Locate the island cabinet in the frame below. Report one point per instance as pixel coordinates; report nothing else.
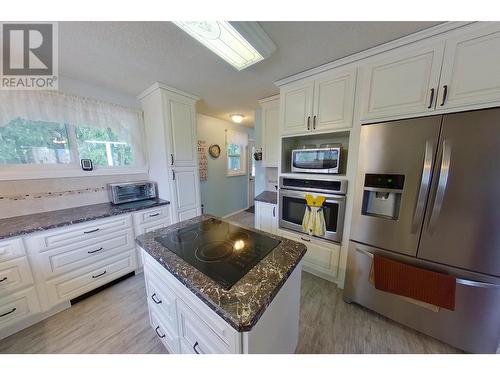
(458, 70)
(185, 323)
(320, 105)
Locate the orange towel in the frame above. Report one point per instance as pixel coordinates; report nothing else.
(417, 283)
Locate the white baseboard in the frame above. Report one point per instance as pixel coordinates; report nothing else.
(235, 212)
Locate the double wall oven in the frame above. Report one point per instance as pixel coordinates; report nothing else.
(293, 203)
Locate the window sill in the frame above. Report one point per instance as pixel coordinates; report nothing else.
(20, 173)
(236, 174)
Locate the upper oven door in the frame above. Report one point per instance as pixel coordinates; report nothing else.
(293, 207)
(316, 160)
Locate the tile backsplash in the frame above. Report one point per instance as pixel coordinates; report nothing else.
(23, 197)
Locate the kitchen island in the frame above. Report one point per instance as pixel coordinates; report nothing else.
(207, 297)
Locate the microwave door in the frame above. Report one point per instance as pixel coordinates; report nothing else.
(394, 174)
(461, 227)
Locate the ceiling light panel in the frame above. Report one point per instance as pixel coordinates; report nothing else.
(227, 42)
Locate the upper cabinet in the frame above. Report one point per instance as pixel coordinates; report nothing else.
(404, 81)
(182, 131)
(471, 67)
(459, 70)
(270, 131)
(324, 104)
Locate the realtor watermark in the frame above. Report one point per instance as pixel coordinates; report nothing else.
(29, 56)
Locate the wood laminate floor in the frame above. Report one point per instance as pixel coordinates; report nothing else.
(116, 321)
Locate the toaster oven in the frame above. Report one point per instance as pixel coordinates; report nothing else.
(132, 191)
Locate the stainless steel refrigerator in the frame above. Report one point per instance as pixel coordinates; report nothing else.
(428, 194)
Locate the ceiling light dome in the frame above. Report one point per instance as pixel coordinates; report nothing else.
(237, 118)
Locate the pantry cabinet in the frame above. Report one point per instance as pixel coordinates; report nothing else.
(266, 217)
(320, 105)
(170, 127)
(270, 131)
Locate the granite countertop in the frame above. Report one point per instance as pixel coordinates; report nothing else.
(267, 197)
(243, 304)
(19, 225)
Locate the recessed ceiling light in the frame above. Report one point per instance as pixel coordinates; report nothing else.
(241, 44)
(237, 118)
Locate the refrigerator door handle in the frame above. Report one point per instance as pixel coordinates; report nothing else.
(425, 180)
(442, 182)
(477, 284)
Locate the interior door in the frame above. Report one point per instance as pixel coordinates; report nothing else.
(404, 150)
(461, 226)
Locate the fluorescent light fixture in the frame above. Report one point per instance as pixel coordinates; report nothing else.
(241, 44)
(237, 118)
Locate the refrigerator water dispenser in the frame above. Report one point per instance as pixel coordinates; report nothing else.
(382, 195)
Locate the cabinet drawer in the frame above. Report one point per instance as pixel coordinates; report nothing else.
(11, 249)
(15, 274)
(61, 260)
(195, 336)
(146, 216)
(76, 234)
(170, 341)
(161, 300)
(77, 283)
(18, 306)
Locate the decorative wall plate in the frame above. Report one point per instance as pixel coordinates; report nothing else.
(214, 151)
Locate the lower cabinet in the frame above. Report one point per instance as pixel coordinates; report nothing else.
(322, 257)
(266, 217)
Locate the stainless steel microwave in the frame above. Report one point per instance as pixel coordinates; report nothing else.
(132, 191)
(317, 160)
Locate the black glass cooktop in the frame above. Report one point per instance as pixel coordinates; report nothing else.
(222, 251)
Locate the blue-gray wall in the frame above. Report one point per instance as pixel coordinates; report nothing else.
(221, 195)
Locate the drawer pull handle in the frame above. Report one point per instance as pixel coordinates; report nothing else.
(194, 347)
(160, 336)
(5, 278)
(153, 215)
(305, 239)
(96, 276)
(157, 301)
(91, 231)
(10, 312)
(95, 251)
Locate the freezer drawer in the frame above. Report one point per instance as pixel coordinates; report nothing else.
(474, 326)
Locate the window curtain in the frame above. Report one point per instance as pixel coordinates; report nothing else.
(237, 138)
(69, 109)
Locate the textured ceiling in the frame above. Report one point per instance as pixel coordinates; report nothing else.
(129, 56)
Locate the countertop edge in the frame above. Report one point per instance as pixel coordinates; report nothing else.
(73, 222)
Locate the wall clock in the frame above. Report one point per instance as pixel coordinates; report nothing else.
(214, 151)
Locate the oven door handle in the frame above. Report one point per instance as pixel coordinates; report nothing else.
(332, 198)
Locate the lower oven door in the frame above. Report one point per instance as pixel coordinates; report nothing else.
(293, 207)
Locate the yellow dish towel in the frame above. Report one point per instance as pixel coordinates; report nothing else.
(313, 222)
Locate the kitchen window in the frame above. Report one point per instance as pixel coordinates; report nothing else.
(236, 144)
(46, 134)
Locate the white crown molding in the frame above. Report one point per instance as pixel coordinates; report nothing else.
(269, 99)
(158, 85)
(427, 33)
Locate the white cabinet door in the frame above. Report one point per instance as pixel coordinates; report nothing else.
(334, 101)
(266, 217)
(182, 118)
(186, 189)
(471, 68)
(270, 135)
(403, 82)
(296, 108)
